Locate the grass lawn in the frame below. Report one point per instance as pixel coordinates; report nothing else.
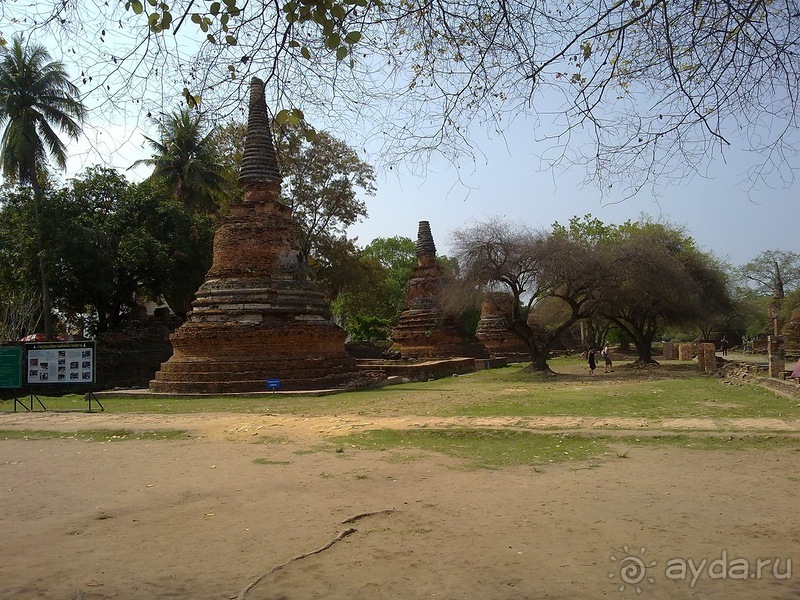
(669, 391)
(497, 448)
(673, 390)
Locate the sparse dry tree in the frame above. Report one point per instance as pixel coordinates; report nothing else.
(532, 267)
(20, 313)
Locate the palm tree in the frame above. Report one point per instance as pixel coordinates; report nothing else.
(36, 98)
(188, 160)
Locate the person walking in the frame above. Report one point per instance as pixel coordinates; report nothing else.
(609, 365)
(592, 362)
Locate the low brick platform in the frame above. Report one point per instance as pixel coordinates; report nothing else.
(421, 371)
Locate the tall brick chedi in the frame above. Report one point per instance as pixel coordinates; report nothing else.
(258, 315)
(424, 330)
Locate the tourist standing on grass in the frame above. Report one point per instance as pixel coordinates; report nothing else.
(592, 362)
(609, 366)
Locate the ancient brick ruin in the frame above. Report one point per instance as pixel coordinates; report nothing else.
(494, 330)
(424, 330)
(258, 315)
(791, 333)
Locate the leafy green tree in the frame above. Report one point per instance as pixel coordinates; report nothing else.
(36, 99)
(773, 273)
(84, 249)
(659, 277)
(397, 256)
(373, 291)
(20, 297)
(755, 311)
(120, 243)
(361, 304)
(320, 182)
(167, 245)
(186, 157)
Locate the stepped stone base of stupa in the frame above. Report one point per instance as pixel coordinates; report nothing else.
(423, 334)
(237, 357)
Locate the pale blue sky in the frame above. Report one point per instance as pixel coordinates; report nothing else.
(717, 211)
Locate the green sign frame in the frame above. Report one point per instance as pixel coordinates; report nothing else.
(11, 366)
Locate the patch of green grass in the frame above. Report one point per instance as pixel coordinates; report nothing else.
(483, 448)
(399, 457)
(698, 396)
(93, 435)
(266, 461)
(498, 448)
(270, 439)
(416, 531)
(716, 442)
(315, 449)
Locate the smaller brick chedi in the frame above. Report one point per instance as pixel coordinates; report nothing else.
(423, 329)
(494, 330)
(258, 315)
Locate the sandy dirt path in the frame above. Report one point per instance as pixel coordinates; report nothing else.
(206, 517)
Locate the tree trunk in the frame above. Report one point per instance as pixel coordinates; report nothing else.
(538, 358)
(644, 344)
(47, 309)
(539, 363)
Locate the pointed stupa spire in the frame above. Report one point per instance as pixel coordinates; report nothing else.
(259, 164)
(425, 243)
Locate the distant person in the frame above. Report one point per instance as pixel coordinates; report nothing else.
(592, 362)
(606, 354)
(744, 343)
(724, 345)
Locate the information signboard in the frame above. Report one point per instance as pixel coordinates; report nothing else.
(60, 362)
(11, 366)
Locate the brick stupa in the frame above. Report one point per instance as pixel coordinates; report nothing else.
(494, 330)
(423, 330)
(258, 315)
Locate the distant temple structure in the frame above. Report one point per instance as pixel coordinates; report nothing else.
(423, 329)
(258, 315)
(494, 330)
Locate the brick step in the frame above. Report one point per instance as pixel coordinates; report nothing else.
(262, 374)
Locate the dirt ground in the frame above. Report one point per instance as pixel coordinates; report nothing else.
(207, 518)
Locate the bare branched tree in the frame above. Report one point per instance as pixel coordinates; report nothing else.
(20, 314)
(533, 267)
(660, 88)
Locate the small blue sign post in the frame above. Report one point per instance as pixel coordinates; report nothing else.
(273, 384)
